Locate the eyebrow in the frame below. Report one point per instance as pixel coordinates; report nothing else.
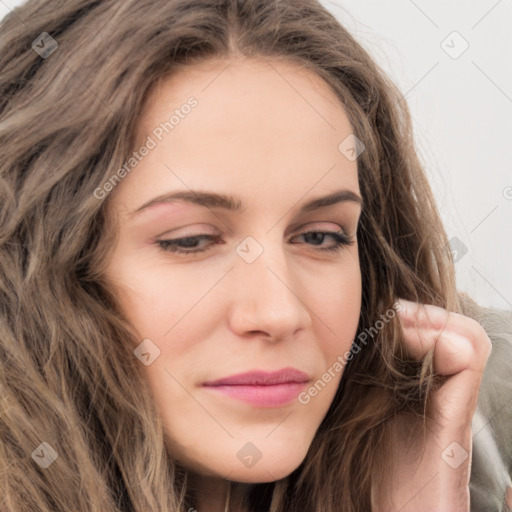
(234, 204)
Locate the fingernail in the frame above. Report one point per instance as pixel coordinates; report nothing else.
(402, 305)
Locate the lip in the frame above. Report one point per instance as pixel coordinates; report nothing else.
(262, 388)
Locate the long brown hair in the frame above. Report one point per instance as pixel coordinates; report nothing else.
(68, 375)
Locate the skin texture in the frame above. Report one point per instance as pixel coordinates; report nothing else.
(268, 132)
(213, 314)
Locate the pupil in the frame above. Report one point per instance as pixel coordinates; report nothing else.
(189, 242)
(317, 237)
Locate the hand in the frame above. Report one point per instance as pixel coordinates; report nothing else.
(431, 473)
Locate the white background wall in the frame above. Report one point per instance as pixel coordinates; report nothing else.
(461, 103)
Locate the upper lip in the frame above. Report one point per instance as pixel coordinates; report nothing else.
(262, 378)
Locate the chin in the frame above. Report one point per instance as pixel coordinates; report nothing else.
(263, 474)
(274, 464)
(270, 464)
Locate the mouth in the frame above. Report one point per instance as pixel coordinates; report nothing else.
(261, 388)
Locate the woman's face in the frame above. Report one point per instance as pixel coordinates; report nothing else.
(253, 292)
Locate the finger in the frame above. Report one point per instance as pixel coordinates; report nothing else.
(460, 342)
(417, 321)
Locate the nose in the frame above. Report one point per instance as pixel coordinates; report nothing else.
(267, 299)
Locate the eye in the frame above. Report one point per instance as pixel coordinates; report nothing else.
(186, 245)
(190, 244)
(317, 237)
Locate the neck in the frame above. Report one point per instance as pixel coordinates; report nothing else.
(218, 495)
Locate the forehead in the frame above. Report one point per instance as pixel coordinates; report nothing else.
(267, 90)
(258, 124)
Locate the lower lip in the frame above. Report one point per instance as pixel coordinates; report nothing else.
(276, 395)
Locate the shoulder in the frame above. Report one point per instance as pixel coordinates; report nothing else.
(491, 468)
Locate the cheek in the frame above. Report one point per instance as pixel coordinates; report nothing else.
(152, 300)
(339, 307)
(174, 311)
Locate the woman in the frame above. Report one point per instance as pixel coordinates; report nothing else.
(176, 332)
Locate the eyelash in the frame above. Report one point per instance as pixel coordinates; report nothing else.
(341, 240)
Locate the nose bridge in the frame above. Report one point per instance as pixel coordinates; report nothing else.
(269, 273)
(267, 297)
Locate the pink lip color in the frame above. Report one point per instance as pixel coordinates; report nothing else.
(263, 389)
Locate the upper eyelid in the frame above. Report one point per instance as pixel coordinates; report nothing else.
(342, 224)
(296, 231)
